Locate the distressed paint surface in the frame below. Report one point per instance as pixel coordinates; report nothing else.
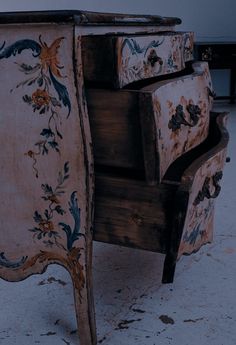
(45, 175)
(188, 46)
(38, 176)
(199, 221)
(142, 57)
(186, 91)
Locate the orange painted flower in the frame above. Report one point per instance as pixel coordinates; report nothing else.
(53, 198)
(46, 225)
(40, 98)
(48, 56)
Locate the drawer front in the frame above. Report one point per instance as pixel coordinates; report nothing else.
(174, 119)
(145, 57)
(199, 213)
(198, 226)
(126, 59)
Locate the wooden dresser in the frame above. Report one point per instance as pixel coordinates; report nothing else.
(107, 134)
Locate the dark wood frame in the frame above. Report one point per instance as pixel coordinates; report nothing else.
(87, 18)
(220, 55)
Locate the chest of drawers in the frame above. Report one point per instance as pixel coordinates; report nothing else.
(107, 135)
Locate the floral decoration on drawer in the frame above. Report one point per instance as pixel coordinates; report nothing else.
(145, 57)
(49, 95)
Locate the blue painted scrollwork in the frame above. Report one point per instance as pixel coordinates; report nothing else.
(4, 262)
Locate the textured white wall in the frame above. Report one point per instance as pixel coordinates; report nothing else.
(209, 19)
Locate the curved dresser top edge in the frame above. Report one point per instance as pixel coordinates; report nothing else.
(86, 18)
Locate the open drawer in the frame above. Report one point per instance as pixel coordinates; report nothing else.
(193, 219)
(148, 129)
(122, 59)
(174, 217)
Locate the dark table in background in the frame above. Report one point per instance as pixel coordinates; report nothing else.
(219, 55)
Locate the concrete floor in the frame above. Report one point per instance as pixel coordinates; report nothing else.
(132, 305)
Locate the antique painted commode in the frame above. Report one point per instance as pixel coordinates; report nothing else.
(106, 133)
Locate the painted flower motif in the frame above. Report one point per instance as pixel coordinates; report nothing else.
(41, 98)
(48, 56)
(54, 199)
(46, 226)
(49, 95)
(45, 230)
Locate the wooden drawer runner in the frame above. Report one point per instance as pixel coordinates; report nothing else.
(174, 217)
(148, 129)
(120, 60)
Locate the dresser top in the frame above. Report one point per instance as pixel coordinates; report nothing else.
(86, 18)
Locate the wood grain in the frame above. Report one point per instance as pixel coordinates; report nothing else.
(115, 128)
(130, 213)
